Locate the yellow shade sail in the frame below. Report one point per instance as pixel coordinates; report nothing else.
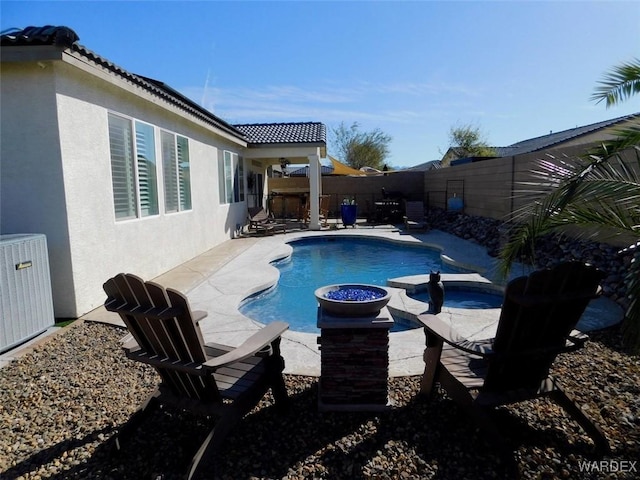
(342, 169)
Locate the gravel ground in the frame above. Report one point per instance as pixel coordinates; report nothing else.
(61, 403)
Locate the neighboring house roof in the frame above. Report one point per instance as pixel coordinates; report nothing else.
(457, 156)
(426, 166)
(547, 141)
(64, 37)
(304, 171)
(283, 133)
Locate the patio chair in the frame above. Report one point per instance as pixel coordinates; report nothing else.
(414, 216)
(536, 323)
(262, 222)
(208, 379)
(323, 210)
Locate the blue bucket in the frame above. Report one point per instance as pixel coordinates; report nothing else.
(454, 204)
(349, 214)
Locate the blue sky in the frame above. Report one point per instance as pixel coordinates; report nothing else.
(516, 70)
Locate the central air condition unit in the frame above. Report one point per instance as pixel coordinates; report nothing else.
(26, 303)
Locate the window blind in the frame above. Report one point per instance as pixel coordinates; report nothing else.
(170, 171)
(184, 179)
(147, 171)
(122, 167)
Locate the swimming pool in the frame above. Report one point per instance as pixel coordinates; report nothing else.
(320, 261)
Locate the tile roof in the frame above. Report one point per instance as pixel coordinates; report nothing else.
(47, 35)
(256, 134)
(280, 133)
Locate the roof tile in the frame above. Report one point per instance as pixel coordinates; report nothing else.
(272, 133)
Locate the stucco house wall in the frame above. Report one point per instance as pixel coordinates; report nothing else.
(56, 179)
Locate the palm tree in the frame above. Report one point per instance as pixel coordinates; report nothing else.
(599, 193)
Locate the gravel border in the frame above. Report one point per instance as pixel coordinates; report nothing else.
(61, 403)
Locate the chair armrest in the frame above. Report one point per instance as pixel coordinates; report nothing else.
(129, 343)
(578, 336)
(576, 339)
(198, 315)
(250, 346)
(444, 330)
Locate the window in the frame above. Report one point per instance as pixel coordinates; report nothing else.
(147, 170)
(133, 168)
(231, 174)
(177, 173)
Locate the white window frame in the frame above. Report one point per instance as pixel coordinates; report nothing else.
(140, 183)
(176, 172)
(231, 178)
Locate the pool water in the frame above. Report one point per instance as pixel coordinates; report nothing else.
(320, 261)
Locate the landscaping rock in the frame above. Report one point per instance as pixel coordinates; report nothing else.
(550, 250)
(61, 405)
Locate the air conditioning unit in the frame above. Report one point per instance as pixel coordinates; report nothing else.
(26, 303)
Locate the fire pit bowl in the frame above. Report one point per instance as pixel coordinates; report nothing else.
(352, 300)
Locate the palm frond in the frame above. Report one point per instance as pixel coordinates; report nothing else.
(619, 84)
(602, 194)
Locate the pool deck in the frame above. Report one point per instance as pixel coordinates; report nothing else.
(218, 280)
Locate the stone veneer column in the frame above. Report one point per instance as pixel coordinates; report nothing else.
(354, 368)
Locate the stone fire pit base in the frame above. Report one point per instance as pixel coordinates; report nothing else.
(354, 366)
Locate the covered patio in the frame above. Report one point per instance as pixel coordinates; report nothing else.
(275, 146)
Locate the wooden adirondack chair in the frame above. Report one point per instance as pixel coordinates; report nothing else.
(323, 210)
(537, 319)
(210, 379)
(414, 216)
(261, 221)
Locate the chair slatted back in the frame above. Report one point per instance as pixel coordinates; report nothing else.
(324, 205)
(414, 211)
(160, 320)
(258, 214)
(324, 202)
(538, 313)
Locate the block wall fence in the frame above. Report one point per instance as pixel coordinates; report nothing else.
(489, 188)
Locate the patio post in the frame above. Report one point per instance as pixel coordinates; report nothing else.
(315, 190)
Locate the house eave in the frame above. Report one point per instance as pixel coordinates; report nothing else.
(134, 84)
(295, 152)
(30, 53)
